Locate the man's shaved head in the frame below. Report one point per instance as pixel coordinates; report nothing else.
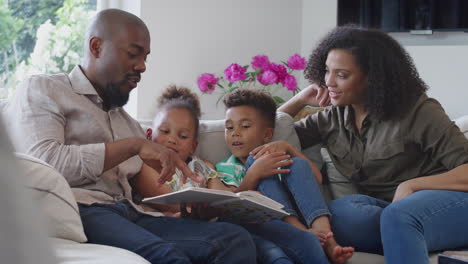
(110, 23)
(116, 46)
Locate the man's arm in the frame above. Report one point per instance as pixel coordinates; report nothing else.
(41, 120)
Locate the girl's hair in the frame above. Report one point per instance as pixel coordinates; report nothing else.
(393, 81)
(181, 97)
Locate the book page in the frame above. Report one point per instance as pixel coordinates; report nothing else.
(260, 198)
(192, 195)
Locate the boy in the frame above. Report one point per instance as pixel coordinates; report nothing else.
(289, 178)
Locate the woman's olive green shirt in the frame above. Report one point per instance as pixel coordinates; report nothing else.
(385, 153)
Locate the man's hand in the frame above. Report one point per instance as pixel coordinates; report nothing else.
(269, 164)
(166, 161)
(403, 190)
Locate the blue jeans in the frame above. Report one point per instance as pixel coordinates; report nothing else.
(300, 246)
(406, 230)
(299, 192)
(166, 239)
(269, 253)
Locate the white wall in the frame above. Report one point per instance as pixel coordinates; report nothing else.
(441, 60)
(192, 37)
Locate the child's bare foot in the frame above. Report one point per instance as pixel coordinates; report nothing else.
(336, 253)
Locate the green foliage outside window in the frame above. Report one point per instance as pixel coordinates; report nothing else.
(40, 36)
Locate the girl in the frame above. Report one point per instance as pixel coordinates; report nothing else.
(176, 127)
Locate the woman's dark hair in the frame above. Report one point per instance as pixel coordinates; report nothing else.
(256, 98)
(393, 81)
(181, 97)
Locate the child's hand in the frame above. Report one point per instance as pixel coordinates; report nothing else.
(199, 211)
(269, 164)
(276, 146)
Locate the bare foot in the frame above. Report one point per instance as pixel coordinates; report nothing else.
(336, 253)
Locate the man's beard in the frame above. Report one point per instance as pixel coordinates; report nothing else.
(113, 97)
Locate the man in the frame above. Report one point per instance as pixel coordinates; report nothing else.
(75, 123)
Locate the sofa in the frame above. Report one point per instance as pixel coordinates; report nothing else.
(54, 198)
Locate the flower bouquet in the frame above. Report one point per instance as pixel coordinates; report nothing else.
(264, 74)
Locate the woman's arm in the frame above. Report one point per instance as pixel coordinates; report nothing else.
(283, 146)
(312, 95)
(453, 180)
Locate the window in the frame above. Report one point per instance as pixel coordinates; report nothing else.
(40, 36)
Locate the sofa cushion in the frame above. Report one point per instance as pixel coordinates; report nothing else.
(55, 198)
(462, 123)
(211, 144)
(71, 252)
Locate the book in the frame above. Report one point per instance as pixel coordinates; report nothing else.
(241, 207)
(453, 257)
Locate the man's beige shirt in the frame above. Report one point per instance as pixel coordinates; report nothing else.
(385, 153)
(60, 119)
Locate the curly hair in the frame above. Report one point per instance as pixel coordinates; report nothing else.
(393, 81)
(181, 97)
(255, 98)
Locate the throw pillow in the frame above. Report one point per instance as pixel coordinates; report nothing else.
(55, 198)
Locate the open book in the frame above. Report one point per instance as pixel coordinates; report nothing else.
(242, 207)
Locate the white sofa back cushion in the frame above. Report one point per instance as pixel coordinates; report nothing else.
(54, 197)
(462, 123)
(212, 147)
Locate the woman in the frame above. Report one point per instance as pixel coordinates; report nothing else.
(383, 133)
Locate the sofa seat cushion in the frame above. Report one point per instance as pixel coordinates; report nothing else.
(55, 198)
(367, 258)
(71, 252)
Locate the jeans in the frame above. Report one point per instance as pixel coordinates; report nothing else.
(269, 253)
(299, 192)
(300, 246)
(166, 239)
(406, 230)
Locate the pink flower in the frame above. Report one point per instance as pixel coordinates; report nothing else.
(235, 72)
(280, 71)
(297, 62)
(290, 82)
(260, 61)
(268, 77)
(207, 82)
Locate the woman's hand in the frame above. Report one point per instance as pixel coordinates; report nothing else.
(315, 95)
(312, 95)
(275, 146)
(403, 190)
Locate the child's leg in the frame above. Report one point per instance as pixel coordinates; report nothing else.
(300, 194)
(269, 253)
(300, 246)
(305, 191)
